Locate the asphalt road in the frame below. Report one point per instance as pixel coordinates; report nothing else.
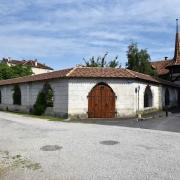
(170, 123)
(34, 149)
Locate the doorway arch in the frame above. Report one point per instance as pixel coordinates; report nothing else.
(17, 95)
(167, 97)
(148, 98)
(101, 102)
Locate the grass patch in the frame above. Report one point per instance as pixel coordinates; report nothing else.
(48, 118)
(8, 162)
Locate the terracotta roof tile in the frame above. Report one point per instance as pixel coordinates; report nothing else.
(87, 72)
(144, 76)
(100, 72)
(38, 77)
(160, 66)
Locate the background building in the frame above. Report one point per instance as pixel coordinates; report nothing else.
(170, 68)
(37, 67)
(83, 92)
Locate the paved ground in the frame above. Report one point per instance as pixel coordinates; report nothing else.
(170, 123)
(88, 151)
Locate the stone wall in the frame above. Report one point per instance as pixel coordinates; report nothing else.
(127, 98)
(80, 88)
(29, 93)
(71, 96)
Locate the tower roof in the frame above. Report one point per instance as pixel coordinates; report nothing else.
(177, 46)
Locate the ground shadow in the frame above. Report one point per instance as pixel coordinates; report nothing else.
(170, 123)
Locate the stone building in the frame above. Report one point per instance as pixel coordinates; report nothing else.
(91, 92)
(37, 67)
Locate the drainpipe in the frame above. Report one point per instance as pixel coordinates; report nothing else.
(137, 92)
(139, 115)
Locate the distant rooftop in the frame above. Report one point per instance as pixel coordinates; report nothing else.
(162, 66)
(31, 63)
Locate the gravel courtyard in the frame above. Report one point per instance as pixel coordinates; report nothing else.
(34, 149)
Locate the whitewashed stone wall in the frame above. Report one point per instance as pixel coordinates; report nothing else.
(71, 96)
(29, 93)
(127, 98)
(155, 89)
(60, 89)
(40, 71)
(80, 88)
(173, 96)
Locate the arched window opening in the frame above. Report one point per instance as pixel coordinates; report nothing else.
(0, 97)
(148, 98)
(49, 95)
(167, 98)
(17, 95)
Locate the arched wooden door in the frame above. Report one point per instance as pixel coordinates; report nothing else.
(101, 102)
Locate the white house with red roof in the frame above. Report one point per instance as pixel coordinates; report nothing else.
(90, 92)
(37, 67)
(85, 92)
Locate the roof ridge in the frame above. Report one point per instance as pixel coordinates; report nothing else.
(71, 71)
(143, 73)
(163, 60)
(131, 72)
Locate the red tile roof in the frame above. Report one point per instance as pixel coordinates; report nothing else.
(160, 66)
(100, 72)
(87, 72)
(38, 77)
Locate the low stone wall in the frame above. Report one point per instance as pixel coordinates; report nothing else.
(15, 108)
(50, 112)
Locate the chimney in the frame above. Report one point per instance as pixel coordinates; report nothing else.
(8, 59)
(165, 58)
(35, 62)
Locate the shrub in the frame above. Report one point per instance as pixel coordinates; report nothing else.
(40, 104)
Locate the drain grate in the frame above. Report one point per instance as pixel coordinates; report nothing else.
(109, 142)
(51, 148)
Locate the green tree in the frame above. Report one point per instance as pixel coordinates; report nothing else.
(8, 72)
(5, 71)
(20, 71)
(40, 104)
(139, 60)
(101, 61)
(114, 63)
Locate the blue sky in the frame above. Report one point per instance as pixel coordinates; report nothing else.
(61, 33)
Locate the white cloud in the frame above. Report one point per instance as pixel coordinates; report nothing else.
(46, 28)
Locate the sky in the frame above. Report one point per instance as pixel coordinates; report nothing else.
(60, 33)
